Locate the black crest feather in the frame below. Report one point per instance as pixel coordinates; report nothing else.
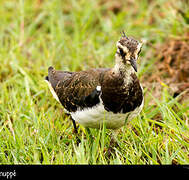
(124, 35)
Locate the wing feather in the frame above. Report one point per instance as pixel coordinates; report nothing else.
(77, 90)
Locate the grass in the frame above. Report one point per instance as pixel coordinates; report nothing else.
(77, 35)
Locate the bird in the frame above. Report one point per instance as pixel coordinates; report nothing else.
(113, 96)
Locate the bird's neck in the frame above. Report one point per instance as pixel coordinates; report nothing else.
(125, 69)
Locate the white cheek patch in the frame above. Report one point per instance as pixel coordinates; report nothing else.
(125, 49)
(52, 91)
(138, 49)
(128, 56)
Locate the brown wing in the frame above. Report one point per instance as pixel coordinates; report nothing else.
(78, 89)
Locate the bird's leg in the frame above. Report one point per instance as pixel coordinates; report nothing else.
(74, 125)
(113, 142)
(75, 131)
(89, 134)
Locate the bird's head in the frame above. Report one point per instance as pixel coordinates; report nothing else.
(128, 49)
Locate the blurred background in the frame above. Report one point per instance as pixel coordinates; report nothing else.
(76, 35)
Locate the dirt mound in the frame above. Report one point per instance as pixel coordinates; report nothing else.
(172, 66)
(173, 60)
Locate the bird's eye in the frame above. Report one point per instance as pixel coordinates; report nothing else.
(121, 52)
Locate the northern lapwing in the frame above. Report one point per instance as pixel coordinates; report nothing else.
(112, 96)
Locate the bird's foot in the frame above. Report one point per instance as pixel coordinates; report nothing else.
(113, 144)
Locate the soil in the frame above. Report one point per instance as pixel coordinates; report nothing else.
(171, 69)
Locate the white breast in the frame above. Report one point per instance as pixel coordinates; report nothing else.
(96, 116)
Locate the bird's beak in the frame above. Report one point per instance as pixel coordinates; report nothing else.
(134, 64)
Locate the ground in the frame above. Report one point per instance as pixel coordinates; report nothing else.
(77, 35)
